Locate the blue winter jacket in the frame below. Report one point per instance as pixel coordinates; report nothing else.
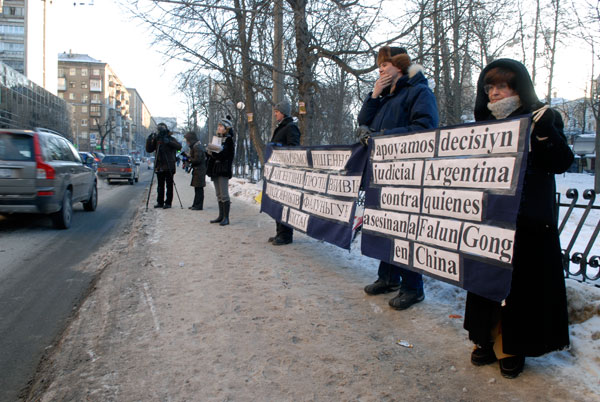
(411, 107)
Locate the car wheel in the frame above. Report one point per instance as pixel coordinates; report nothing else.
(62, 218)
(92, 202)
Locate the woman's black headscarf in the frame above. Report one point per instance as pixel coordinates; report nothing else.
(523, 84)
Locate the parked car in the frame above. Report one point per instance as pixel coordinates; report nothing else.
(119, 167)
(98, 156)
(41, 172)
(89, 159)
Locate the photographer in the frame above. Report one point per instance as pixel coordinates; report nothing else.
(166, 147)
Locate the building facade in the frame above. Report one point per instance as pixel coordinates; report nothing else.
(26, 105)
(100, 101)
(27, 41)
(141, 122)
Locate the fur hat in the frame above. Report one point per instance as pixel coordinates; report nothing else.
(226, 122)
(386, 53)
(191, 136)
(402, 62)
(284, 107)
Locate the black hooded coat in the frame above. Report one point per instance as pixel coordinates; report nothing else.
(197, 160)
(534, 317)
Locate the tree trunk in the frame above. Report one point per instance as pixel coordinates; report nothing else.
(535, 39)
(553, 51)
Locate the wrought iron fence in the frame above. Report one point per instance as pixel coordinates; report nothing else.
(583, 265)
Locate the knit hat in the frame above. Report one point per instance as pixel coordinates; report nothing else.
(284, 107)
(386, 53)
(226, 122)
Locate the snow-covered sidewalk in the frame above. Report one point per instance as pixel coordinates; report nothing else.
(188, 310)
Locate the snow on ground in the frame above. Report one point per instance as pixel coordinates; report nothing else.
(582, 360)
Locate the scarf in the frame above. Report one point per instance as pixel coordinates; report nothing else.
(504, 107)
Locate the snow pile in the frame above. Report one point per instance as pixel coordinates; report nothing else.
(582, 360)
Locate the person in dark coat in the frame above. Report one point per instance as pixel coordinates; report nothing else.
(401, 102)
(219, 167)
(166, 147)
(198, 162)
(285, 134)
(532, 320)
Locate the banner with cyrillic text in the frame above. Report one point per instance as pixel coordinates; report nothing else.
(315, 189)
(444, 202)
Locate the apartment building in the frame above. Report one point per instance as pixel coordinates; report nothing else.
(100, 101)
(27, 39)
(141, 122)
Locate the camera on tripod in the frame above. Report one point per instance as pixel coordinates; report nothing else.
(162, 136)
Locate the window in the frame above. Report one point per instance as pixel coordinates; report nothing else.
(61, 95)
(61, 72)
(72, 71)
(84, 123)
(84, 109)
(95, 98)
(84, 134)
(62, 83)
(71, 84)
(71, 96)
(95, 85)
(95, 109)
(12, 11)
(96, 71)
(84, 84)
(84, 98)
(84, 72)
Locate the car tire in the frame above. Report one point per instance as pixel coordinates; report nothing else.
(92, 202)
(62, 218)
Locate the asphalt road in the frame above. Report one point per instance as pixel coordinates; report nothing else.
(39, 283)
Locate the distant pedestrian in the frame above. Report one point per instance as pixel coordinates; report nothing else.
(286, 134)
(220, 166)
(198, 163)
(533, 318)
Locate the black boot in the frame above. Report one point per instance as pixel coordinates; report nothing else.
(225, 220)
(220, 217)
(198, 199)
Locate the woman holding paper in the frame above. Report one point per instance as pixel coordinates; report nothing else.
(220, 154)
(532, 320)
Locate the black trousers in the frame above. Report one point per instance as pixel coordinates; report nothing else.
(161, 178)
(198, 197)
(284, 232)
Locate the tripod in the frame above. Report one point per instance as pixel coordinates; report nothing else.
(154, 172)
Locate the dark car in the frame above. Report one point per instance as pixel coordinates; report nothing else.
(89, 159)
(41, 172)
(119, 167)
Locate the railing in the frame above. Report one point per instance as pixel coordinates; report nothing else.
(587, 262)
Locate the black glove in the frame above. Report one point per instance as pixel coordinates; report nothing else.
(544, 127)
(364, 133)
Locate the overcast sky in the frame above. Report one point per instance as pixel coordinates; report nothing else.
(104, 32)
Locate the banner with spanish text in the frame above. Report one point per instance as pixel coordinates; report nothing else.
(315, 189)
(444, 202)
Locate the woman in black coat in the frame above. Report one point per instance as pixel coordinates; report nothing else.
(198, 162)
(532, 320)
(219, 167)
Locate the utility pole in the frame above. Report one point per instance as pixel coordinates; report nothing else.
(277, 56)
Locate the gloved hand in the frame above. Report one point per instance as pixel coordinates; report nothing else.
(364, 133)
(544, 127)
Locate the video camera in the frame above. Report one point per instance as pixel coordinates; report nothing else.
(162, 136)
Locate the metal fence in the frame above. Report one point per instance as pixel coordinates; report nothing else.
(580, 261)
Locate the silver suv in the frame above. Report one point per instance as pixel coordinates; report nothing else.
(41, 172)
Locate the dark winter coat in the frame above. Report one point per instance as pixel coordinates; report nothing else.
(197, 160)
(286, 133)
(219, 164)
(410, 107)
(166, 154)
(534, 318)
